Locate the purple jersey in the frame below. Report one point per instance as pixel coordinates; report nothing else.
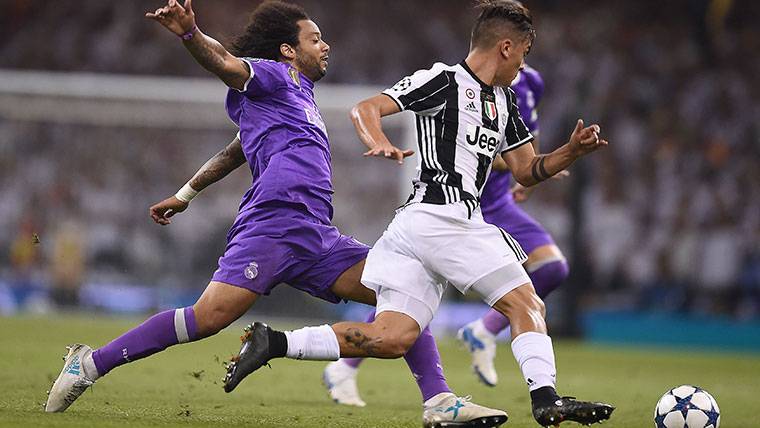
(282, 233)
(284, 140)
(529, 87)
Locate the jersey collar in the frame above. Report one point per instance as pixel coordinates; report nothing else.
(474, 76)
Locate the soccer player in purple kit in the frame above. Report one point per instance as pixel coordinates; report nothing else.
(546, 266)
(282, 232)
(466, 116)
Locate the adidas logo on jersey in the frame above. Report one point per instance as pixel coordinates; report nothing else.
(472, 107)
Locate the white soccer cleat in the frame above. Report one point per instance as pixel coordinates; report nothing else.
(340, 380)
(72, 382)
(448, 410)
(482, 346)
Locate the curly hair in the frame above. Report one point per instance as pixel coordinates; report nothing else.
(271, 24)
(494, 14)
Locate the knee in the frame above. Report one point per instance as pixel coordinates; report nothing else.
(211, 319)
(395, 344)
(401, 343)
(522, 301)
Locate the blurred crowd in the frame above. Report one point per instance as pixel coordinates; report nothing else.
(671, 211)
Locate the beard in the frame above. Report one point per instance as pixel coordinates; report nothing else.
(311, 68)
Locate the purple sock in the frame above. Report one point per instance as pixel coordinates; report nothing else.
(424, 361)
(154, 335)
(545, 279)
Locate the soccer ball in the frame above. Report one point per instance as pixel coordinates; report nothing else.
(687, 407)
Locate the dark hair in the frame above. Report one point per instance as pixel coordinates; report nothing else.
(271, 24)
(494, 14)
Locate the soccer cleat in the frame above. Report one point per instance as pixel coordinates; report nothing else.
(72, 381)
(570, 409)
(340, 380)
(254, 353)
(482, 346)
(460, 412)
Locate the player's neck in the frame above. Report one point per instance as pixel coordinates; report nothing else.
(482, 65)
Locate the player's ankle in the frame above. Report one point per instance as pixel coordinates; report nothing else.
(278, 344)
(436, 399)
(544, 396)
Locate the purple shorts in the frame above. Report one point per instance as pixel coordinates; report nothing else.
(287, 246)
(521, 226)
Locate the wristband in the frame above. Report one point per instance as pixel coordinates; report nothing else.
(190, 33)
(186, 193)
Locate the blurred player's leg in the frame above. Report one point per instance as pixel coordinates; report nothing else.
(547, 270)
(219, 306)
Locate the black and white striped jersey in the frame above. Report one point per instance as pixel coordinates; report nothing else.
(462, 124)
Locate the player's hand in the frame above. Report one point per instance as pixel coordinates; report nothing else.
(164, 210)
(176, 18)
(391, 152)
(521, 193)
(585, 140)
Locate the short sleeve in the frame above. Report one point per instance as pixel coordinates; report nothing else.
(516, 133)
(423, 92)
(265, 76)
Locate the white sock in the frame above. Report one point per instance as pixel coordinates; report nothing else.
(90, 371)
(313, 343)
(535, 355)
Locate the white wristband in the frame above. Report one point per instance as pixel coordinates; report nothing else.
(186, 193)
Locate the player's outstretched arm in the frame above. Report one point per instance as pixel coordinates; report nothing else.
(366, 118)
(180, 20)
(530, 169)
(215, 169)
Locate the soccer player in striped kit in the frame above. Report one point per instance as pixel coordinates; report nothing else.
(546, 265)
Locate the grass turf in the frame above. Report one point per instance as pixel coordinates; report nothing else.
(181, 387)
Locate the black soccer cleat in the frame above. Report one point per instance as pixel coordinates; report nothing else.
(254, 353)
(570, 409)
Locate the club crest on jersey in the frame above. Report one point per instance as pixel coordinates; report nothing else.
(481, 140)
(293, 73)
(489, 107)
(252, 270)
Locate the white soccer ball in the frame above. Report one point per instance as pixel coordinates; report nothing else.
(687, 407)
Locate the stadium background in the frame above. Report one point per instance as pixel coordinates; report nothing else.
(102, 113)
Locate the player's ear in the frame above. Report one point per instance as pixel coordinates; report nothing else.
(505, 48)
(287, 51)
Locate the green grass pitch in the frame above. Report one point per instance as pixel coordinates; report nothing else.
(181, 387)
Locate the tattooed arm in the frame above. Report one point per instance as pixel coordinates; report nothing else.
(219, 166)
(216, 168)
(180, 20)
(530, 169)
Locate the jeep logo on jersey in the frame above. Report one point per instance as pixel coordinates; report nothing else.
(482, 140)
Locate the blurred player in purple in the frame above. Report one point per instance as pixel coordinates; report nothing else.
(283, 231)
(546, 265)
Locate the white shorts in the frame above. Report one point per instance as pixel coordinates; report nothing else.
(428, 246)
